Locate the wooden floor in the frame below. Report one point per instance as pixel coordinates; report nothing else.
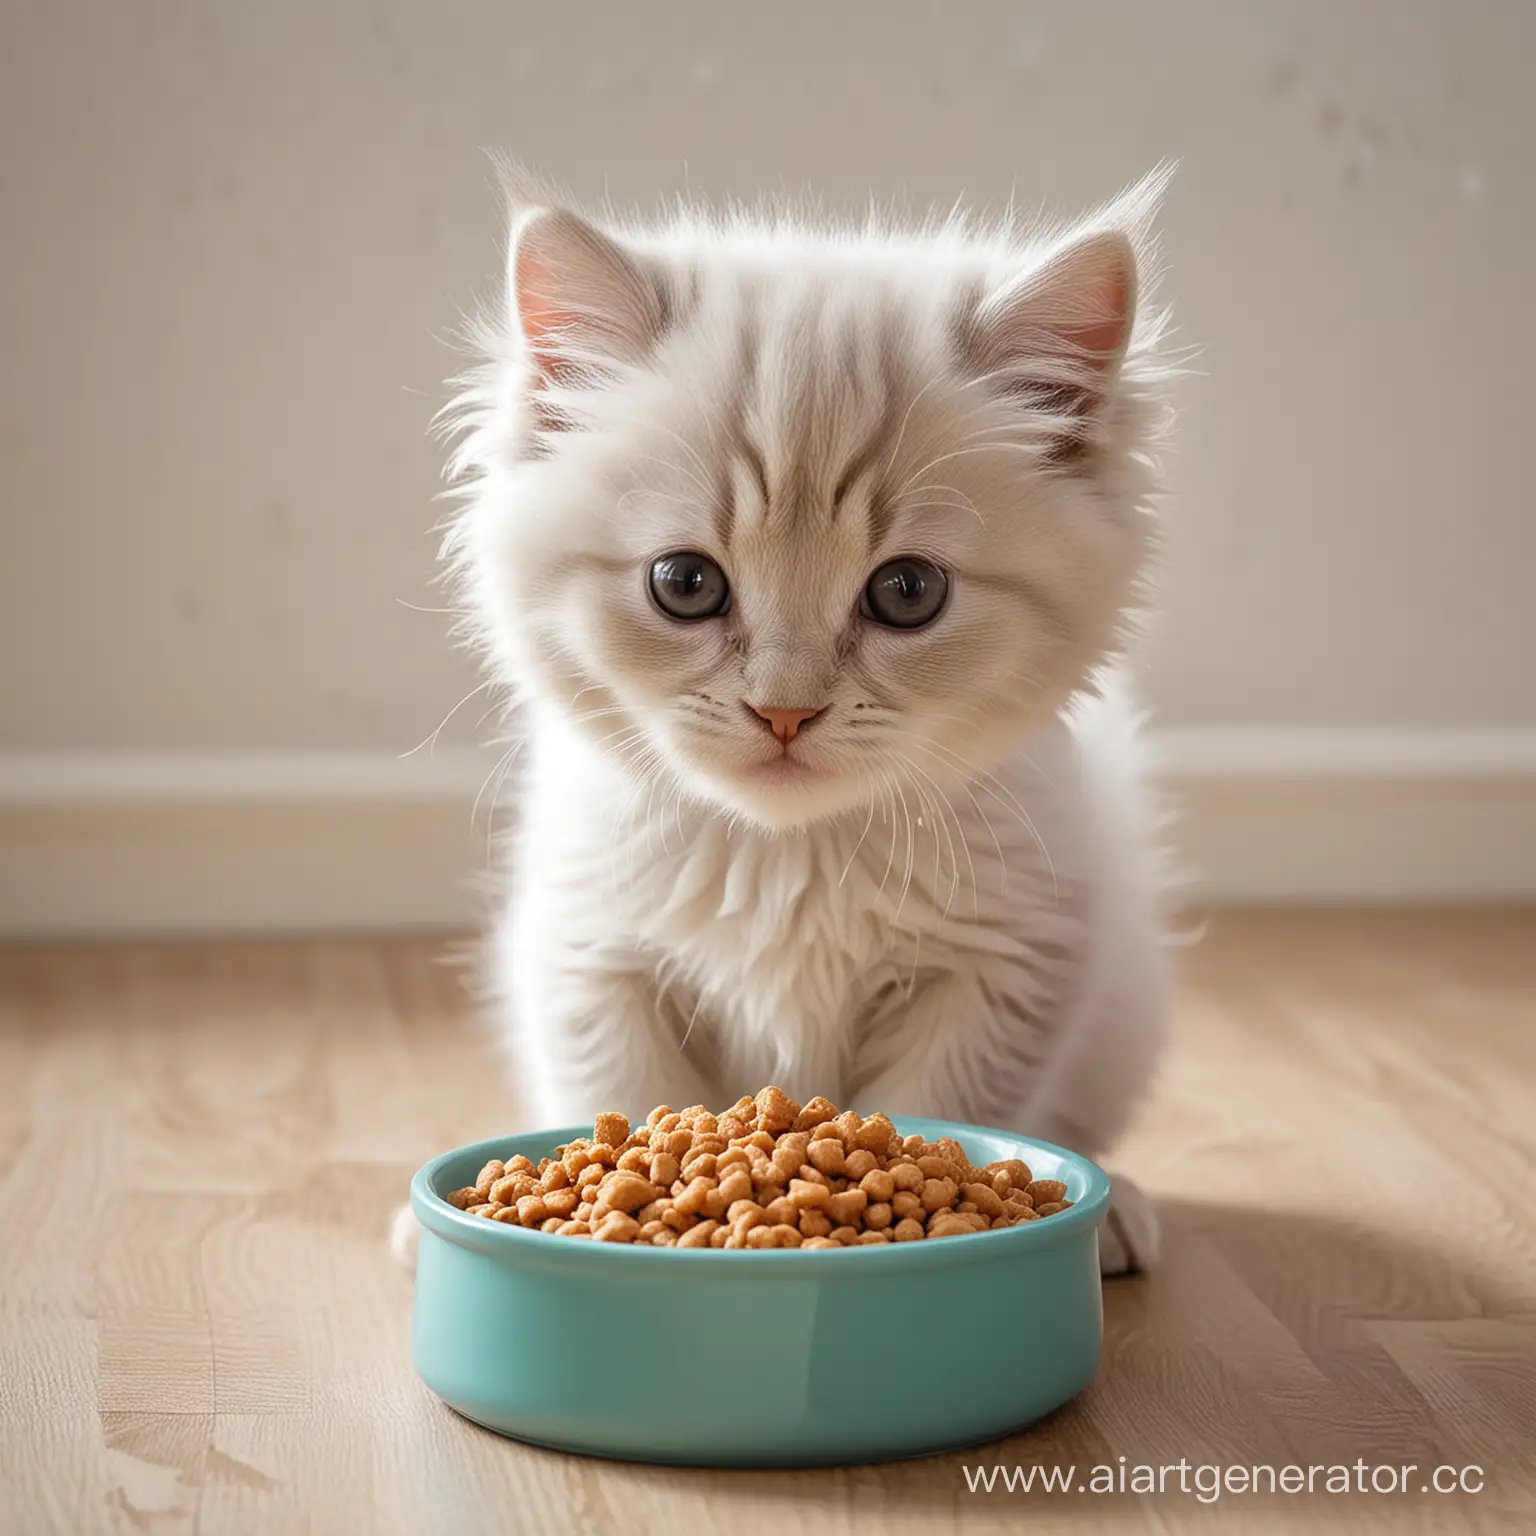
(200, 1329)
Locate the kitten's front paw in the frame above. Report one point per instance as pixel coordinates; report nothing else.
(404, 1234)
(1130, 1237)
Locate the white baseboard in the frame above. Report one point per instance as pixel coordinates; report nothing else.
(172, 843)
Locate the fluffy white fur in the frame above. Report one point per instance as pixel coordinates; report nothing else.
(942, 897)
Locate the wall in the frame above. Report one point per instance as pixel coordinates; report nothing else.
(237, 236)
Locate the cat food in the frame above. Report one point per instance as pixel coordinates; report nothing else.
(767, 1173)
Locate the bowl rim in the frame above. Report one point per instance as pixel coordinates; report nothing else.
(506, 1241)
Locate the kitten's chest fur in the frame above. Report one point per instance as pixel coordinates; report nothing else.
(782, 957)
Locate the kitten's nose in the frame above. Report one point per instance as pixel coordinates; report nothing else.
(785, 722)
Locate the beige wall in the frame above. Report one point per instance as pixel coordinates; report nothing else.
(233, 234)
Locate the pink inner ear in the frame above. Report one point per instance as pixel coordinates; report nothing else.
(543, 321)
(1102, 332)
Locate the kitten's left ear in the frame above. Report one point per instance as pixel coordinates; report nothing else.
(1056, 334)
(579, 297)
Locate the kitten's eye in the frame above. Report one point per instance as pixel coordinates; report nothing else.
(905, 594)
(689, 586)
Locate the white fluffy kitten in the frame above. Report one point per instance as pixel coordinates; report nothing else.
(805, 556)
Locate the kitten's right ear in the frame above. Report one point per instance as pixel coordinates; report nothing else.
(579, 298)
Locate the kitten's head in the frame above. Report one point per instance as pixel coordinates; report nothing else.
(794, 517)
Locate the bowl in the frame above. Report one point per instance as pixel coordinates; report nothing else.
(758, 1358)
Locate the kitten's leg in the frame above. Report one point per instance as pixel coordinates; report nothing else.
(585, 1038)
(954, 1062)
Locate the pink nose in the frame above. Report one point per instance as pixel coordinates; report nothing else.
(786, 723)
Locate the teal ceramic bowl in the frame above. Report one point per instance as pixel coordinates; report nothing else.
(758, 1358)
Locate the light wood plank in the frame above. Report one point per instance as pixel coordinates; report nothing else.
(200, 1329)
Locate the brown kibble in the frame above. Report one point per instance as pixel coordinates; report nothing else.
(609, 1131)
(817, 1112)
(984, 1198)
(512, 1188)
(561, 1202)
(878, 1184)
(617, 1227)
(937, 1194)
(807, 1196)
(876, 1135)
(826, 1156)
(767, 1173)
(775, 1111)
(848, 1125)
(626, 1191)
(814, 1224)
(736, 1185)
(848, 1207)
(782, 1211)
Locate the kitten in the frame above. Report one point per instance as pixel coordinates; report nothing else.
(806, 557)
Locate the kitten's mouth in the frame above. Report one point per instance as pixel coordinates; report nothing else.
(786, 769)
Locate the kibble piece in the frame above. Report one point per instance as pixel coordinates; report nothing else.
(1046, 1191)
(531, 1210)
(905, 1205)
(820, 1242)
(866, 1238)
(937, 1194)
(817, 1112)
(610, 1130)
(775, 1111)
(664, 1169)
(826, 1155)
(845, 1235)
(877, 1216)
(761, 1237)
(698, 1236)
(846, 1208)
(626, 1191)
(736, 1185)
(908, 1176)
(488, 1175)
(617, 1227)
(878, 1184)
(858, 1163)
(561, 1202)
(781, 1211)
(1051, 1207)
(908, 1230)
(502, 1213)
(814, 1224)
(807, 1196)
(462, 1199)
